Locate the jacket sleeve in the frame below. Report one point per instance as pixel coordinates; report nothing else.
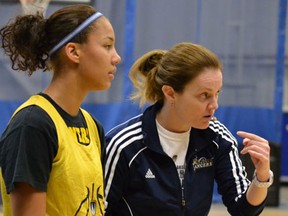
(231, 178)
(116, 174)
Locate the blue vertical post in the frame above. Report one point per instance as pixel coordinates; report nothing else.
(279, 83)
(130, 15)
(280, 69)
(127, 109)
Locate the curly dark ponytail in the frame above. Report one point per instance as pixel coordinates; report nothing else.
(24, 42)
(28, 39)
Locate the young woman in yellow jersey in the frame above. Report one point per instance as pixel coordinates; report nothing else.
(51, 149)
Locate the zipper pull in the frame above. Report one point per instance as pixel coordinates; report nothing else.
(183, 203)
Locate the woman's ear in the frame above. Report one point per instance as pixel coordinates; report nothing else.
(168, 92)
(72, 51)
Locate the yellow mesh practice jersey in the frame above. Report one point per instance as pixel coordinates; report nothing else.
(75, 184)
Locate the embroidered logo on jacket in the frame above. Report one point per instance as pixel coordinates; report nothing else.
(149, 174)
(202, 163)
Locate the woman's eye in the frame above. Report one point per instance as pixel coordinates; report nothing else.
(108, 46)
(205, 95)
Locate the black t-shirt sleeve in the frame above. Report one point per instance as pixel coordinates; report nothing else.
(27, 149)
(102, 140)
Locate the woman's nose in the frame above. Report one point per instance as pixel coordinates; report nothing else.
(116, 59)
(214, 104)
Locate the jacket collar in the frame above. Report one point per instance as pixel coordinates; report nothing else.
(150, 133)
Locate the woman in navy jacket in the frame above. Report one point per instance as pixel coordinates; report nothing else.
(165, 161)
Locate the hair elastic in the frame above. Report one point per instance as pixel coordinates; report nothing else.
(80, 28)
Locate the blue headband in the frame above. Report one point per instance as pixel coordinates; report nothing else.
(80, 28)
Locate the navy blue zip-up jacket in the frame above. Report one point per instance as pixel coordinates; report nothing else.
(141, 179)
